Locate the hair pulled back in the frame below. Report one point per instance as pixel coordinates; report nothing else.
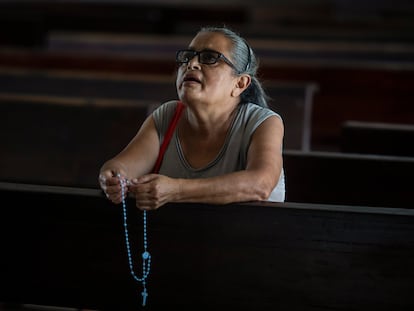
(246, 62)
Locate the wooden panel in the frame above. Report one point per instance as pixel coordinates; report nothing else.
(323, 20)
(294, 102)
(154, 88)
(116, 17)
(339, 178)
(64, 141)
(352, 93)
(377, 138)
(65, 247)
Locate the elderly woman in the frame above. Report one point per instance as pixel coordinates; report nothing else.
(226, 145)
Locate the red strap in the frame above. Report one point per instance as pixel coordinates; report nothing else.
(179, 108)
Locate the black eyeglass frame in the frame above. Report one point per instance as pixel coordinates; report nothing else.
(197, 53)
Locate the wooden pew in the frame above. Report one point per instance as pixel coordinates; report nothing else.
(327, 21)
(355, 82)
(65, 83)
(111, 17)
(61, 140)
(378, 138)
(65, 247)
(293, 101)
(155, 54)
(351, 179)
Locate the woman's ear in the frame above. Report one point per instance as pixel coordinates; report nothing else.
(242, 83)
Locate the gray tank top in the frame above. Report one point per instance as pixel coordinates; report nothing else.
(232, 157)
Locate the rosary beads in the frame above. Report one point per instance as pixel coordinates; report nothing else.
(146, 256)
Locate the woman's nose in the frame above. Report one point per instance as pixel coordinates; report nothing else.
(193, 63)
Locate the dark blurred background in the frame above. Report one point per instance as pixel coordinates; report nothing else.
(325, 63)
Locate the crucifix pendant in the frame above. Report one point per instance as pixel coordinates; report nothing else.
(144, 297)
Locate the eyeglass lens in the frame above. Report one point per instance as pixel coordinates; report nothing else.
(204, 57)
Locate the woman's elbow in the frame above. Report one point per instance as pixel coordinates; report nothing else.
(263, 191)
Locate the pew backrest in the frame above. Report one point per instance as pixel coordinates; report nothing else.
(351, 179)
(66, 247)
(378, 138)
(61, 140)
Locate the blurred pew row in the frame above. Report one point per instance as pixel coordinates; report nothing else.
(347, 81)
(29, 22)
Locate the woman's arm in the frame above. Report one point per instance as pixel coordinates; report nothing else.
(256, 182)
(136, 159)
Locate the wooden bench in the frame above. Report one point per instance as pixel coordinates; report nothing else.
(351, 179)
(111, 17)
(378, 138)
(155, 53)
(65, 247)
(64, 141)
(293, 101)
(269, 49)
(353, 84)
(323, 21)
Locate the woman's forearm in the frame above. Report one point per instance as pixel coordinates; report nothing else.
(234, 187)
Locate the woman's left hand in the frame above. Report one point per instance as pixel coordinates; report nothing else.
(153, 190)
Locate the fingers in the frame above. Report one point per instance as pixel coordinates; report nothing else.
(112, 187)
(145, 179)
(147, 205)
(147, 200)
(150, 191)
(144, 188)
(102, 182)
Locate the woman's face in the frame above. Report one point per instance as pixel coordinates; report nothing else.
(209, 83)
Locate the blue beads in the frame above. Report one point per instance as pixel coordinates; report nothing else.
(146, 256)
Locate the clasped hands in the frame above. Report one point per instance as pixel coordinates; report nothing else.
(150, 191)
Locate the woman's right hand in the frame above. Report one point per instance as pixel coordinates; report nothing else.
(110, 183)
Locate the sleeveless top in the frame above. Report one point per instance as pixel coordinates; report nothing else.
(233, 154)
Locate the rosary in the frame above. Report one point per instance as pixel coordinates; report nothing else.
(146, 256)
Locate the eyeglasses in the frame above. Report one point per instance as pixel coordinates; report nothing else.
(206, 57)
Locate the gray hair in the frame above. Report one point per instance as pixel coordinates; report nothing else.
(245, 61)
